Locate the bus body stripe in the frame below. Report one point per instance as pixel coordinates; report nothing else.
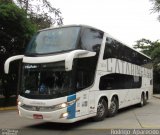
(72, 108)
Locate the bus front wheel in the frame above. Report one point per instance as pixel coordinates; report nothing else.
(101, 110)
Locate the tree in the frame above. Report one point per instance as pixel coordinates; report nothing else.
(17, 25)
(156, 7)
(41, 12)
(152, 49)
(15, 31)
(149, 48)
(144, 46)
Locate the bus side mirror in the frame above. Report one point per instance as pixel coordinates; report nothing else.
(9, 60)
(76, 54)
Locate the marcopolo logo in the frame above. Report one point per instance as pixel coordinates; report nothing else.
(38, 103)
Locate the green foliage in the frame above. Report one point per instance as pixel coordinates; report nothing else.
(144, 45)
(155, 55)
(151, 49)
(19, 20)
(15, 31)
(156, 7)
(5, 1)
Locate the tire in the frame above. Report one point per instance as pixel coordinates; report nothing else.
(146, 98)
(143, 101)
(101, 110)
(113, 107)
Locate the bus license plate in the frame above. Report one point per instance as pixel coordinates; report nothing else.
(37, 116)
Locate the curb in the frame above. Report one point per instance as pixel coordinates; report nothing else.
(8, 108)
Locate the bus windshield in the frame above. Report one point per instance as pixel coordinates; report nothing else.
(53, 40)
(42, 81)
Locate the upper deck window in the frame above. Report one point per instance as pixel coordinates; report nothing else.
(54, 40)
(91, 39)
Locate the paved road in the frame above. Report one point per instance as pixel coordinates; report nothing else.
(132, 117)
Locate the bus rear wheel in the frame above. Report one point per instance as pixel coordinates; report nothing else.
(101, 110)
(113, 107)
(143, 101)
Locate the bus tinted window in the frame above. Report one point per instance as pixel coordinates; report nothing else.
(119, 81)
(54, 40)
(85, 72)
(91, 39)
(111, 49)
(115, 49)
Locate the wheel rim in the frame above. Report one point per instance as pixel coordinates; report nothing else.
(113, 107)
(100, 109)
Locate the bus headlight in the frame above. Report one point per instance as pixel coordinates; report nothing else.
(64, 115)
(63, 105)
(60, 106)
(20, 103)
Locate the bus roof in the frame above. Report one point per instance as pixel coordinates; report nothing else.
(72, 25)
(87, 26)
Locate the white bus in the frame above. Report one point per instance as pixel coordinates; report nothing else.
(75, 72)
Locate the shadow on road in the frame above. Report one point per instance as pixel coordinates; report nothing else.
(131, 108)
(60, 126)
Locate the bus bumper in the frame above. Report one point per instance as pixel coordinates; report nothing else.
(59, 116)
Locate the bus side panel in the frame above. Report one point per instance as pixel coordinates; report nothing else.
(82, 104)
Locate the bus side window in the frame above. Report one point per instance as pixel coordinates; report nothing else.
(91, 39)
(111, 49)
(108, 49)
(119, 81)
(83, 79)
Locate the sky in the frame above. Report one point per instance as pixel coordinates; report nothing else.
(126, 20)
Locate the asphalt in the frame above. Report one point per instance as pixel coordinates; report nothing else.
(156, 96)
(133, 117)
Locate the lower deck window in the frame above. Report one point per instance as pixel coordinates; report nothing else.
(119, 81)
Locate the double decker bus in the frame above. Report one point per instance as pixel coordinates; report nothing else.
(74, 72)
